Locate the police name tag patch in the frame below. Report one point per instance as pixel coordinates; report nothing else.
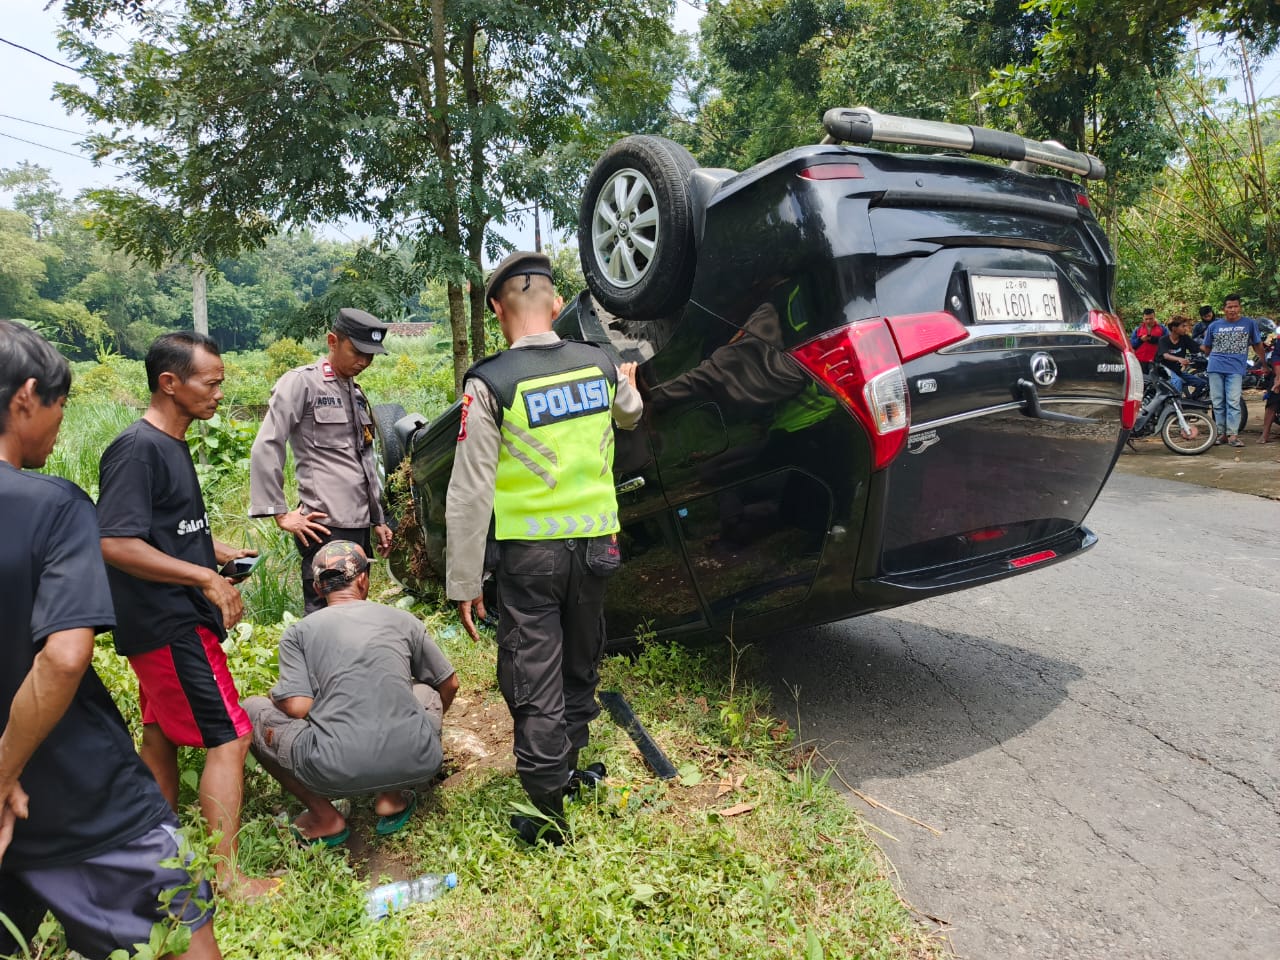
(325, 401)
(565, 401)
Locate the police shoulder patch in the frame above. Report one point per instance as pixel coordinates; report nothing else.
(462, 421)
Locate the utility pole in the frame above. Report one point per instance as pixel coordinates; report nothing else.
(199, 296)
(199, 278)
(537, 228)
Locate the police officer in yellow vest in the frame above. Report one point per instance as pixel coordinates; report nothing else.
(535, 453)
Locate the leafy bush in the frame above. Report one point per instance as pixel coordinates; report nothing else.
(285, 354)
(220, 447)
(112, 379)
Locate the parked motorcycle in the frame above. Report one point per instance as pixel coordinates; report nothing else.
(1257, 377)
(1202, 402)
(1185, 426)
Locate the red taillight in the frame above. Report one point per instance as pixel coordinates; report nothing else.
(832, 171)
(1133, 387)
(859, 364)
(1109, 328)
(1031, 559)
(1082, 199)
(919, 333)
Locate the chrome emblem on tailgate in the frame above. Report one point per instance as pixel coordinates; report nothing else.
(1044, 370)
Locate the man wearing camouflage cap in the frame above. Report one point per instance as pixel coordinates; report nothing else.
(359, 704)
(321, 412)
(535, 454)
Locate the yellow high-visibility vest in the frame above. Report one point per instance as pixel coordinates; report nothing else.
(555, 461)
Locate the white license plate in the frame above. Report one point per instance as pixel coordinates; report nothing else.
(1015, 299)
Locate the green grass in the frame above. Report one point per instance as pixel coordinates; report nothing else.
(654, 870)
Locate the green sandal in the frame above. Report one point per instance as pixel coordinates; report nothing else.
(394, 822)
(330, 840)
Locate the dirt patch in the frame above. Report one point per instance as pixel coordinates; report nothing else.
(477, 737)
(1253, 468)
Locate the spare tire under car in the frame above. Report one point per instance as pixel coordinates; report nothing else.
(635, 228)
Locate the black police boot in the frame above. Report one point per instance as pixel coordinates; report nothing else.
(589, 780)
(548, 828)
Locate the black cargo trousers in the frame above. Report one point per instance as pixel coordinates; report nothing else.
(550, 640)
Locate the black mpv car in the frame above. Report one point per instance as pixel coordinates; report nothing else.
(869, 377)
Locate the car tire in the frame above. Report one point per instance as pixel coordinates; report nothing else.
(391, 452)
(1171, 433)
(635, 228)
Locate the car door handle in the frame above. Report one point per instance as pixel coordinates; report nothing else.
(630, 486)
(1030, 397)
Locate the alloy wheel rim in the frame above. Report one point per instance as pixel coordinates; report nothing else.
(625, 228)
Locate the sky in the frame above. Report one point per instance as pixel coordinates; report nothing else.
(35, 127)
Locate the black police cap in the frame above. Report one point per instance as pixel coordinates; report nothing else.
(517, 264)
(363, 329)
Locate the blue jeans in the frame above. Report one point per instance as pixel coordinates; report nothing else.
(1224, 392)
(1192, 384)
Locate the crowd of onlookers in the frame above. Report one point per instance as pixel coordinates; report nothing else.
(1211, 358)
(88, 825)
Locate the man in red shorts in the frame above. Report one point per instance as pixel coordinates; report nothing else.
(83, 829)
(172, 607)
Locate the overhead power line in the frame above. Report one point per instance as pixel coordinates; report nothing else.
(36, 53)
(47, 126)
(45, 146)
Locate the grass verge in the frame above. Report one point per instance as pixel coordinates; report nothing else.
(749, 853)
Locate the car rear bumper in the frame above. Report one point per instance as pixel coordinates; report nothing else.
(894, 590)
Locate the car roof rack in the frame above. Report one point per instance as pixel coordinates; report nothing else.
(864, 125)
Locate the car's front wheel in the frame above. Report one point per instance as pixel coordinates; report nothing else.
(635, 228)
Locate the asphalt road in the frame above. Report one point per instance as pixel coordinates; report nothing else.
(1095, 742)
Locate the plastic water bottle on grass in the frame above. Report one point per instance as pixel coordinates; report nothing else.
(396, 896)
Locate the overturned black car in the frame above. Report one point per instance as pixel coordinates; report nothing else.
(870, 377)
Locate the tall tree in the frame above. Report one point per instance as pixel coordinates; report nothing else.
(1210, 225)
(36, 194)
(779, 64)
(425, 119)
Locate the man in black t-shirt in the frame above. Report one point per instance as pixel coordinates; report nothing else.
(172, 606)
(1206, 317)
(1175, 352)
(83, 827)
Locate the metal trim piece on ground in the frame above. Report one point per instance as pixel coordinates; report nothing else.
(625, 717)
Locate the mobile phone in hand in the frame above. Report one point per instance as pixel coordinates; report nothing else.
(239, 568)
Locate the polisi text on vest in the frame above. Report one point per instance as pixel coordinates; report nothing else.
(564, 401)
